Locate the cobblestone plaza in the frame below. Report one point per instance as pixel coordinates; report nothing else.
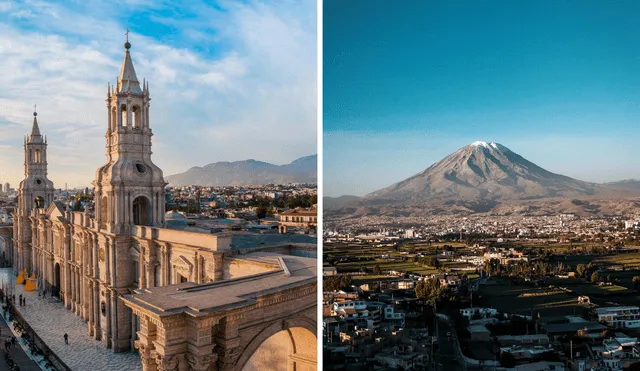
(50, 320)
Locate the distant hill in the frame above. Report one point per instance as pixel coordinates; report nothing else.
(631, 184)
(248, 172)
(339, 201)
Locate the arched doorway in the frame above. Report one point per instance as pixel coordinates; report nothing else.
(289, 349)
(55, 290)
(141, 211)
(4, 252)
(38, 202)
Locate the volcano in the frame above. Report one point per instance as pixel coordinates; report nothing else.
(483, 171)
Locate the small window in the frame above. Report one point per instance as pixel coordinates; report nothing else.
(141, 168)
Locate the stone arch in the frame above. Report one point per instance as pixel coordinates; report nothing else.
(296, 337)
(114, 119)
(37, 157)
(123, 114)
(4, 251)
(135, 117)
(142, 211)
(56, 280)
(38, 202)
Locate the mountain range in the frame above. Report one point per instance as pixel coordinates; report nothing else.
(480, 177)
(248, 172)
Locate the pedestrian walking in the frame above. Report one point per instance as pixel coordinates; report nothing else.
(66, 338)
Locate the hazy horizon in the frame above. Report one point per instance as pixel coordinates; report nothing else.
(557, 83)
(228, 81)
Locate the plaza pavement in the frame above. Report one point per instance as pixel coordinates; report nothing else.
(51, 320)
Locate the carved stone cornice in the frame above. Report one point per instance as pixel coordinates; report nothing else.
(275, 299)
(173, 321)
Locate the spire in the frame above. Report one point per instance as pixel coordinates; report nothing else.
(35, 136)
(128, 73)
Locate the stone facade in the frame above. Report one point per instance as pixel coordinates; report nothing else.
(94, 260)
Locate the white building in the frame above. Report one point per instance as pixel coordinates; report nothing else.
(409, 233)
(622, 316)
(484, 312)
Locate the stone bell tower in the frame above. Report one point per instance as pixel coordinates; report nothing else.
(34, 192)
(129, 188)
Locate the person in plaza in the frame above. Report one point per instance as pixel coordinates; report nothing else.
(66, 338)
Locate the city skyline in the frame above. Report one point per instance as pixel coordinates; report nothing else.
(218, 74)
(407, 86)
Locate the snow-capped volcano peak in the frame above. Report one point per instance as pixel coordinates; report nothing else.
(493, 145)
(480, 143)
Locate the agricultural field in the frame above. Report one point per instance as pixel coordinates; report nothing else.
(512, 298)
(356, 257)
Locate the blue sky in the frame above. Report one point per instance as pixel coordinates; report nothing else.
(229, 80)
(555, 81)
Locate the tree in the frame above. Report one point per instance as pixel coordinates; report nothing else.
(428, 289)
(336, 282)
(432, 261)
(377, 270)
(77, 206)
(595, 277)
(580, 270)
(261, 212)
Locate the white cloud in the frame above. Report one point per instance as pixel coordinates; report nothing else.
(246, 91)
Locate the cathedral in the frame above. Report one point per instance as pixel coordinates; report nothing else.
(107, 264)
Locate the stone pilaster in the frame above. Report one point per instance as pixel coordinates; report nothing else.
(229, 344)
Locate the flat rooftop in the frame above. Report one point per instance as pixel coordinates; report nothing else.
(202, 299)
(558, 328)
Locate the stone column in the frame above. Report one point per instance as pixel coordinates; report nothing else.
(141, 269)
(97, 332)
(196, 262)
(106, 336)
(78, 292)
(150, 274)
(164, 270)
(69, 293)
(146, 336)
(90, 312)
(201, 356)
(171, 344)
(201, 268)
(228, 343)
